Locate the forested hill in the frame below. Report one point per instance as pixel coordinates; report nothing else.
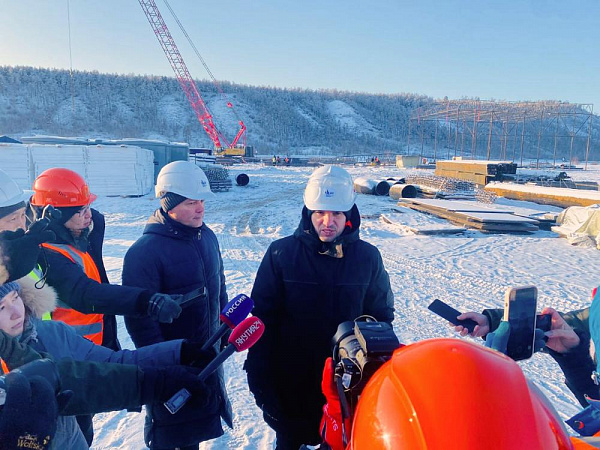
(282, 121)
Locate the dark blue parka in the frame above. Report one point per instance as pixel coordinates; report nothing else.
(303, 290)
(175, 259)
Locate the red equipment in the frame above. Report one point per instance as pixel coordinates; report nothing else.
(61, 188)
(452, 394)
(185, 79)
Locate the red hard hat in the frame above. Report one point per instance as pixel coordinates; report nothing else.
(452, 394)
(61, 188)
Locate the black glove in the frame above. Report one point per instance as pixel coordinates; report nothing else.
(28, 418)
(20, 252)
(163, 308)
(193, 355)
(161, 383)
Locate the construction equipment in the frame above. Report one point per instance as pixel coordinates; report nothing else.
(237, 147)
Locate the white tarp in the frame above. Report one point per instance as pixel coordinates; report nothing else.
(580, 225)
(109, 170)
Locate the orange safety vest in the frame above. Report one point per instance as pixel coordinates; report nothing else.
(5, 368)
(90, 326)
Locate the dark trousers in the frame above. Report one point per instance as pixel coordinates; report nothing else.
(291, 434)
(87, 427)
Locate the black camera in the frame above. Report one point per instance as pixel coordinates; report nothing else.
(45, 368)
(359, 349)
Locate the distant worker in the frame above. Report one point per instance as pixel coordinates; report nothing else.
(306, 285)
(274, 160)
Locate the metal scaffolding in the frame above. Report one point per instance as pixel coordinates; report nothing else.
(510, 131)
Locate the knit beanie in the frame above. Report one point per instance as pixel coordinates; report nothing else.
(170, 200)
(7, 288)
(6, 210)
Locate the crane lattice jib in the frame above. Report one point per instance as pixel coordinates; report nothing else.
(181, 72)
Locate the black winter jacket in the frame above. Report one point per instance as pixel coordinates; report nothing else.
(175, 259)
(83, 294)
(302, 295)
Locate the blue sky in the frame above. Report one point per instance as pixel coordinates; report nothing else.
(504, 50)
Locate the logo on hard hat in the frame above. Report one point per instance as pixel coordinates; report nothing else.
(203, 183)
(329, 193)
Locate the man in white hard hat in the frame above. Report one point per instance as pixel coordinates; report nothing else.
(306, 285)
(12, 204)
(179, 253)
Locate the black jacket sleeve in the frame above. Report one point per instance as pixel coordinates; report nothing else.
(142, 270)
(100, 386)
(87, 296)
(379, 300)
(577, 366)
(267, 293)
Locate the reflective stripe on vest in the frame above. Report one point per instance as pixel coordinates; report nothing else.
(35, 274)
(90, 326)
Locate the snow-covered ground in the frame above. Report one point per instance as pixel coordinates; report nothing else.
(470, 271)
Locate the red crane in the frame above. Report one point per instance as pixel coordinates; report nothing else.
(187, 82)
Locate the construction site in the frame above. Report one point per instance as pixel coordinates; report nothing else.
(537, 134)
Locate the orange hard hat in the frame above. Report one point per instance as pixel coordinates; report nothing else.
(453, 394)
(61, 188)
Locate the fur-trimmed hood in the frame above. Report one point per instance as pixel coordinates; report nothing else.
(37, 301)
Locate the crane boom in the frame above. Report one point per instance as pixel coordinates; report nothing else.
(184, 78)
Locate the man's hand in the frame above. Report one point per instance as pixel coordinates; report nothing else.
(481, 329)
(561, 337)
(193, 355)
(163, 308)
(161, 383)
(21, 251)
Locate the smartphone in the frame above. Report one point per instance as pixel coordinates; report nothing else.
(450, 314)
(520, 304)
(178, 400)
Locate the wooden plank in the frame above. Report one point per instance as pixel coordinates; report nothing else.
(497, 218)
(557, 197)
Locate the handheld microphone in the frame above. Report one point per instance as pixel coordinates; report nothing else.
(232, 314)
(242, 338)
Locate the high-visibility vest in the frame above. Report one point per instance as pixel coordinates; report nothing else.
(90, 326)
(5, 368)
(35, 274)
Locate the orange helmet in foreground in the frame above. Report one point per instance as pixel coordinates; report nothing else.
(61, 188)
(452, 394)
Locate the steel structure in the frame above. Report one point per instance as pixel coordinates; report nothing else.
(503, 126)
(185, 79)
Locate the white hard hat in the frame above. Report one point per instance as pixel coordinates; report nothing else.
(183, 178)
(329, 188)
(10, 192)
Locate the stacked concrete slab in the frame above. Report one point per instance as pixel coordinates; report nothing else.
(478, 172)
(109, 170)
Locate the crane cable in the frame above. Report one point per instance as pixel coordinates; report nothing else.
(70, 60)
(215, 82)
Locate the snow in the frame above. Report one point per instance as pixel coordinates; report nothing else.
(533, 188)
(470, 271)
(346, 116)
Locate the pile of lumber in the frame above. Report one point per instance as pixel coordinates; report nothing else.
(475, 215)
(478, 172)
